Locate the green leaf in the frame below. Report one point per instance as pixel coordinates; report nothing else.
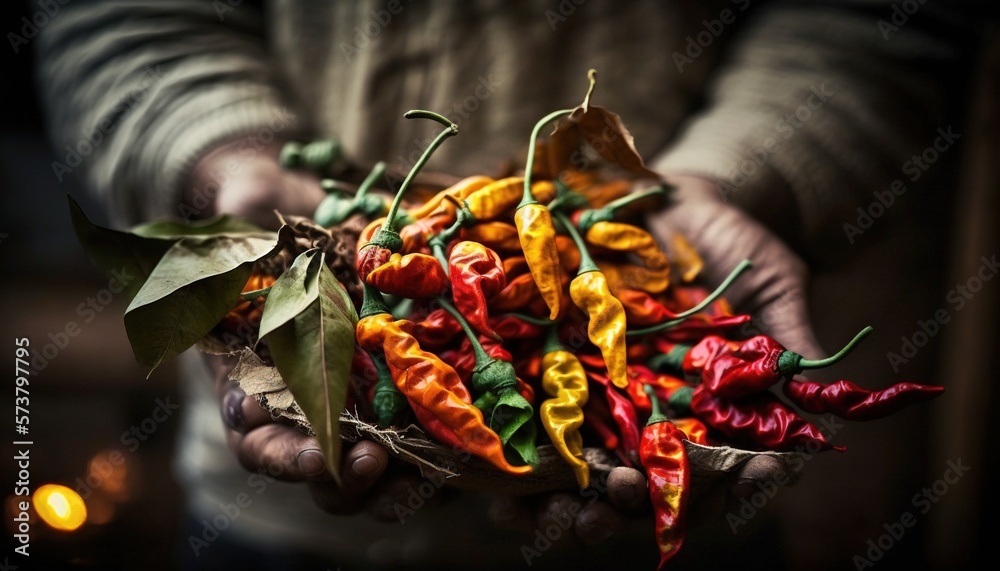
(191, 289)
(510, 416)
(313, 353)
(127, 258)
(292, 292)
(223, 224)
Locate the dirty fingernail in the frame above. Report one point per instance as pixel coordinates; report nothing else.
(366, 465)
(232, 409)
(311, 462)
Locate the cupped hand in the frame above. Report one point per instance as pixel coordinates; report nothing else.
(773, 291)
(253, 185)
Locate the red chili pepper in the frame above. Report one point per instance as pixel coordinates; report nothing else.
(511, 328)
(761, 419)
(697, 327)
(437, 329)
(735, 369)
(517, 294)
(597, 417)
(685, 296)
(641, 309)
(694, 429)
(476, 274)
(396, 276)
(622, 411)
(851, 402)
(663, 456)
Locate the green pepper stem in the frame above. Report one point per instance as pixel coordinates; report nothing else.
(377, 171)
(529, 198)
(680, 317)
(552, 341)
(820, 363)
(451, 129)
(624, 201)
(482, 359)
(586, 261)
(373, 303)
(657, 415)
(252, 295)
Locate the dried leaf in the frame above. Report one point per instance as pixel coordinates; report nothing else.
(194, 285)
(264, 383)
(599, 128)
(313, 352)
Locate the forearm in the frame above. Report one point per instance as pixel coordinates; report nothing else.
(141, 90)
(815, 110)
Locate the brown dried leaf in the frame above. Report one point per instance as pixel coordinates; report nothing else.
(264, 383)
(599, 128)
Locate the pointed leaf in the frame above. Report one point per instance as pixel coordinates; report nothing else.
(604, 131)
(191, 289)
(313, 353)
(126, 257)
(292, 292)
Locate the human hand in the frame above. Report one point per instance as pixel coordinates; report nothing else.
(774, 290)
(261, 443)
(250, 183)
(590, 517)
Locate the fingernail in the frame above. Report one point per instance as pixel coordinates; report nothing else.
(311, 462)
(232, 409)
(365, 465)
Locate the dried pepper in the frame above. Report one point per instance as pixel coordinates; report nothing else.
(760, 419)
(622, 411)
(626, 238)
(663, 456)
(439, 201)
(631, 276)
(565, 381)
(429, 385)
(396, 276)
(499, 236)
(734, 369)
(476, 274)
(495, 383)
(851, 402)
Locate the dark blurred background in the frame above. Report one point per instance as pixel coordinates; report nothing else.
(89, 393)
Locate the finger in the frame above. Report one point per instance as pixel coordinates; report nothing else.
(240, 413)
(627, 490)
(557, 516)
(756, 472)
(597, 522)
(508, 512)
(285, 452)
(363, 464)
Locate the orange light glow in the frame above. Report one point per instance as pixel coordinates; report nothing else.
(60, 507)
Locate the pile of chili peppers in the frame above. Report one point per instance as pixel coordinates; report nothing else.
(505, 314)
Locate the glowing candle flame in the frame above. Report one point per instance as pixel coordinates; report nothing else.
(60, 507)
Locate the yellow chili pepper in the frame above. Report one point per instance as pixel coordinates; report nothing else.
(496, 235)
(686, 258)
(606, 329)
(623, 237)
(565, 380)
(460, 190)
(631, 276)
(495, 199)
(538, 241)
